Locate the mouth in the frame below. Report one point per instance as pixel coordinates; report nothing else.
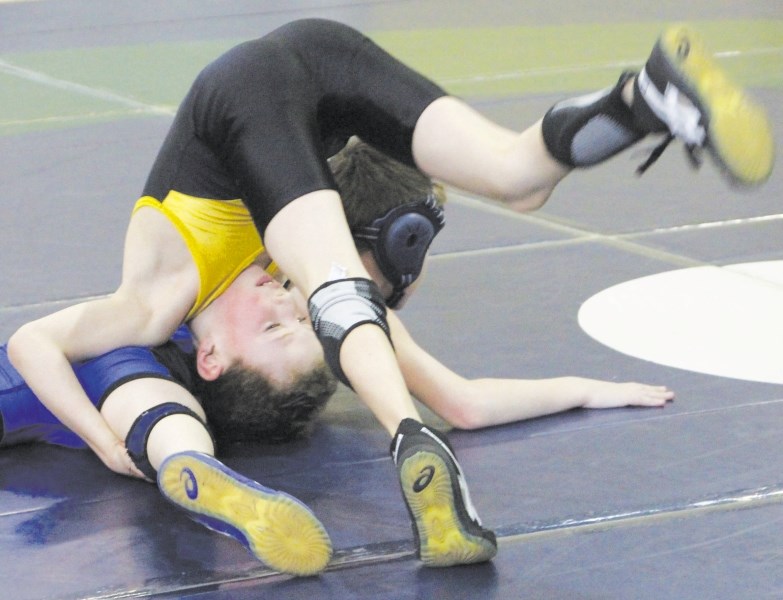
(264, 279)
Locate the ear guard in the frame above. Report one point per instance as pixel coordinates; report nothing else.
(400, 240)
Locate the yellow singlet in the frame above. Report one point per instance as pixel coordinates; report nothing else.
(220, 235)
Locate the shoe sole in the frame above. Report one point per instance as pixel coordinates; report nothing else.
(739, 135)
(444, 540)
(278, 529)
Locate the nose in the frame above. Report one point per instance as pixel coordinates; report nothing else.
(279, 297)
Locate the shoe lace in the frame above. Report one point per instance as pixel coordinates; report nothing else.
(692, 151)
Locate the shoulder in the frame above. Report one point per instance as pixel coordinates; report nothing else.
(159, 278)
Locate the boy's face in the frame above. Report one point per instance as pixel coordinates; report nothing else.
(383, 284)
(266, 327)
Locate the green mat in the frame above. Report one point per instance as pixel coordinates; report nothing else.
(89, 85)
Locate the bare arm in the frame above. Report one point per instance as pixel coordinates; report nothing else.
(42, 352)
(156, 293)
(473, 403)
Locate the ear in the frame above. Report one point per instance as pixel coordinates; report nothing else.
(208, 362)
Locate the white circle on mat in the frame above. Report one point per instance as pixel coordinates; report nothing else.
(725, 321)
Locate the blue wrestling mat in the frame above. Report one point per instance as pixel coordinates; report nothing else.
(683, 502)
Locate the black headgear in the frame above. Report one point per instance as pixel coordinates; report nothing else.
(400, 239)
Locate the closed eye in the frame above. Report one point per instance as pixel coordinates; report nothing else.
(272, 326)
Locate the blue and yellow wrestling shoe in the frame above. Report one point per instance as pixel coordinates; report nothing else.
(277, 528)
(446, 526)
(687, 94)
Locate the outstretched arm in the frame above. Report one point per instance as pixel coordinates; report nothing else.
(474, 403)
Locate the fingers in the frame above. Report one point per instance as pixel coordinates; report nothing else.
(655, 395)
(133, 471)
(118, 460)
(130, 468)
(604, 394)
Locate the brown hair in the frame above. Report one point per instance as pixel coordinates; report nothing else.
(371, 184)
(242, 405)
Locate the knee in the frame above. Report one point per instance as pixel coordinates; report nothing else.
(519, 193)
(530, 201)
(337, 308)
(147, 445)
(524, 177)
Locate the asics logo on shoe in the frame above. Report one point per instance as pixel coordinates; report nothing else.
(191, 485)
(424, 478)
(683, 49)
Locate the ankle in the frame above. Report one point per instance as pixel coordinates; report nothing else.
(627, 91)
(584, 131)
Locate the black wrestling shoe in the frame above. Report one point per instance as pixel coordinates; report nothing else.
(445, 524)
(683, 92)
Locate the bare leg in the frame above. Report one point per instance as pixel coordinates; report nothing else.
(308, 239)
(456, 144)
(311, 242)
(173, 434)
(681, 95)
(277, 528)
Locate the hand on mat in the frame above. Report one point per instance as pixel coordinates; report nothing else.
(607, 394)
(117, 459)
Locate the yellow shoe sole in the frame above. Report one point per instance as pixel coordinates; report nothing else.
(443, 540)
(279, 530)
(738, 130)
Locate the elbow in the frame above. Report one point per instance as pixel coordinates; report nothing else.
(460, 402)
(468, 415)
(20, 343)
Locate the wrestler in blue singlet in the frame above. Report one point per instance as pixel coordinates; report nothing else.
(24, 419)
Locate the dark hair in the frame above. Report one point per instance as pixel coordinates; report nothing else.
(242, 405)
(371, 184)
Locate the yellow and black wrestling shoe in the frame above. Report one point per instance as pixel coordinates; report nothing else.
(277, 528)
(682, 90)
(446, 526)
